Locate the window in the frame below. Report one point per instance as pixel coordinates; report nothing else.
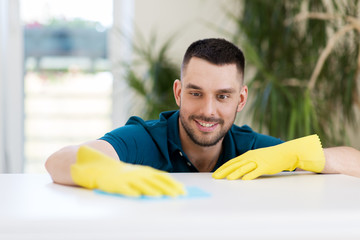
(67, 78)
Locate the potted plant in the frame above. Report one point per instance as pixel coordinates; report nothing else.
(306, 59)
(151, 74)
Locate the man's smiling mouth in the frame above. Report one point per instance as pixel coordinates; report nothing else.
(206, 124)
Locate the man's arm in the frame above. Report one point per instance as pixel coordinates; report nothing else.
(304, 153)
(58, 164)
(345, 160)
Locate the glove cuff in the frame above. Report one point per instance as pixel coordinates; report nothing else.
(311, 155)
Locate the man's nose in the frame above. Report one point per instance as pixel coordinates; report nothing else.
(209, 107)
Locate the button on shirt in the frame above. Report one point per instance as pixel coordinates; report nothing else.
(156, 143)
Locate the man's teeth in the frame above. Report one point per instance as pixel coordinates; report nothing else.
(206, 124)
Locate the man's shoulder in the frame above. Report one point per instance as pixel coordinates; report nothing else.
(139, 139)
(162, 121)
(244, 129)
(245, 134)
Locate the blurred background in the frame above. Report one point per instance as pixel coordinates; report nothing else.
(70, 71)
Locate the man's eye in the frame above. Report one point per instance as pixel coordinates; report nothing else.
(223, 97)
(195, 94)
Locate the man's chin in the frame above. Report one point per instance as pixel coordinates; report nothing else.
(207, 143)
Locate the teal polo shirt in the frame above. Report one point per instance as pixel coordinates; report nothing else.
(156, 143)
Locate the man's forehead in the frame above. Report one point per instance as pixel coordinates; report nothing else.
(196, 65)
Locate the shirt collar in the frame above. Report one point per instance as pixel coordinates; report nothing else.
(173, 133)
(228, 150)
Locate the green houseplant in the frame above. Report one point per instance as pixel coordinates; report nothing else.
(151, 74)
(306, 60)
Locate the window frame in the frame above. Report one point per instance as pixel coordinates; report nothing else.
(11, 88)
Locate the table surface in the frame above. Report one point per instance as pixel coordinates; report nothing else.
(297, 205)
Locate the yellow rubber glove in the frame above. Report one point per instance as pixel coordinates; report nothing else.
(95, 170)
(305, 153)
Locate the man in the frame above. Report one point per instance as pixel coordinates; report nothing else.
(199, 137)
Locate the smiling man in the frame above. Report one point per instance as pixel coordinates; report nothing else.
(199, 137)
(209, 95)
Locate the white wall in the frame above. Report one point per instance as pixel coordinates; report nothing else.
(2, 85)
(188, 19)
(11, 88)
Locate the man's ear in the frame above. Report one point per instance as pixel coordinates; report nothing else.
(243, 98)
(177, 91)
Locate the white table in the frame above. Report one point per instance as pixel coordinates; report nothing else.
(285, 206)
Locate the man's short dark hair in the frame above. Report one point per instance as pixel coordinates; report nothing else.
(217, 51)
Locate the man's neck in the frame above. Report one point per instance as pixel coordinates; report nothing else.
(203, 158)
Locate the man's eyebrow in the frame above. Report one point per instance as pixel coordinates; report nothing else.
(192, 86)
(226, 90)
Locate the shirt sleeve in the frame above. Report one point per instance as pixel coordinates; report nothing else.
(247, 139)
(131, 143)
(262, 141)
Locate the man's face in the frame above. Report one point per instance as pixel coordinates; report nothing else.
(209, 96)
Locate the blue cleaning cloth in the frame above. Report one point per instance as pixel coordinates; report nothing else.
(192, 192)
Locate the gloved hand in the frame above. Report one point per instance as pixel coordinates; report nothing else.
(95, 170)
(305, 153)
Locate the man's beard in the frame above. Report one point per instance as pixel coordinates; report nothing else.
(199, 140)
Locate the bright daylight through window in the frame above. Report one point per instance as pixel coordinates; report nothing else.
(67, 80)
